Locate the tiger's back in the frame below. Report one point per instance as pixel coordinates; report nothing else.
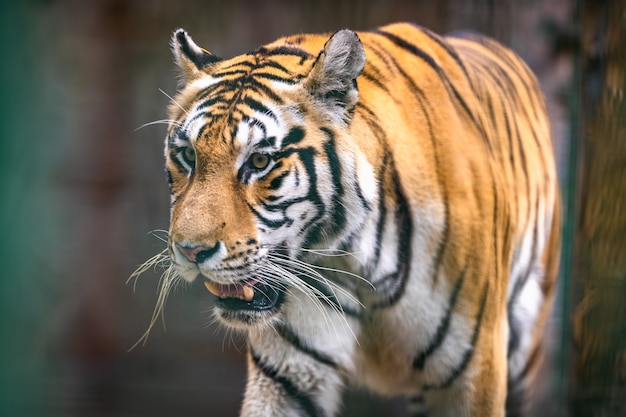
(380, 210)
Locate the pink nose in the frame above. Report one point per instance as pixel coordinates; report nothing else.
(197, 254)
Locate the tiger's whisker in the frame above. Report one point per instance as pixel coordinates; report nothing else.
(310, 273)
(153, 262)
(314, 294)
(157, 122)
(173, 101)
(304, 288)
(323, 268)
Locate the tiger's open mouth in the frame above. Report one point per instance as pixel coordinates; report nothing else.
(249, 295)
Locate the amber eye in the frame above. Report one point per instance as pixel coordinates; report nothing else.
(259, 160)
(189, 155)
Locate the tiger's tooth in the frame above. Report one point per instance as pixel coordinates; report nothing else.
(213, 288)
(248, 293)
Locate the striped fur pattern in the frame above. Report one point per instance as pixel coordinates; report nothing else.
(376, 208)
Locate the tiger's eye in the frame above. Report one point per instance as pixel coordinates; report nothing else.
(259, 160)
(189, 154)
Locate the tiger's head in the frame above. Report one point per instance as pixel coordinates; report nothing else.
(261, 167)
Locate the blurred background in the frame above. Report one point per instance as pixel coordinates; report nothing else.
(84, 197)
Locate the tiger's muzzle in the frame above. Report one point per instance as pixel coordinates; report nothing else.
(237, 299)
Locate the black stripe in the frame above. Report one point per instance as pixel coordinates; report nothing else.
(273, 224)
(338, 210)
(314, 229)
(264, 89)
(278, 66)
(404, 226)
(442, 329)
(208, 103)
(266, 142)
(445, 46)
(382, 54)
(202, 129)
(492, 115)
(302, 399)
(295, 135)
(284, 50)
(372, 122)
(359, 192)
(274, 77)
(233, 74)
(509, 137)
(496, 252)
(278, 181)
(260, 107)
(203, 115)
(248, 64)
(170, 180)
(282, 207)
(404, 44)
(374, 76)
(467, 356)
(382, 210)
(292, 337)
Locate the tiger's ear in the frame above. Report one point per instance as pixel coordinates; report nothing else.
(333, 75)
(190, 58)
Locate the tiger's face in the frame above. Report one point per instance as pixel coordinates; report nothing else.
(256, 166)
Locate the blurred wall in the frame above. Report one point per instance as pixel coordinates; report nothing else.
(83, 187)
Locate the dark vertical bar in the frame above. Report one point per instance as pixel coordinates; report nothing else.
(95, 176)
(599, 264)
(18, 113)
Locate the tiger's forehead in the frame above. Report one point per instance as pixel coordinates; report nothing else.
(237, 107)
(284, 61)
(239, 119)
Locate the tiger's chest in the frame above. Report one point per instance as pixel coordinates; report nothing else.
(418, 341)
(384, 356)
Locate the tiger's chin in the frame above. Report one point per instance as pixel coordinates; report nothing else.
(246, 305)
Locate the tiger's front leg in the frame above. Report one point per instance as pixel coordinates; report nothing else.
(298, 366)
(477, 385)
(293, 386)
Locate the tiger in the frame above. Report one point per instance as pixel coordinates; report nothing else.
(375, 209)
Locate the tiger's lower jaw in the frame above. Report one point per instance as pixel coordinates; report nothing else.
(252, 307)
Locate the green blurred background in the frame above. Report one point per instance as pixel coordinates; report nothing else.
(82, 189)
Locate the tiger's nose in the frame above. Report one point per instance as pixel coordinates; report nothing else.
(198, 254)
